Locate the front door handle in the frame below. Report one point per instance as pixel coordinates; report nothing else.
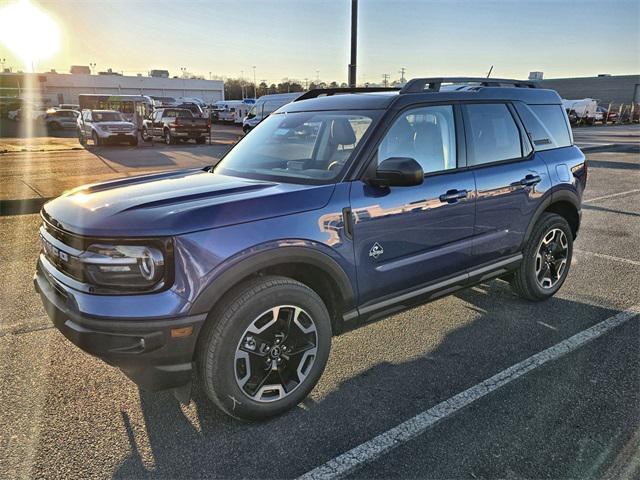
(452, 196)
(530, 180)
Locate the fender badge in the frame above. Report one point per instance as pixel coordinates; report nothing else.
(376, 251)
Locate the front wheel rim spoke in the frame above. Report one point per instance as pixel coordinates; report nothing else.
(266, 374)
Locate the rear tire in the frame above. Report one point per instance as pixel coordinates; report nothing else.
(81, 138)
(238, 365)
(201, 140)
(546, 259)
(168, 138)
(133, 142)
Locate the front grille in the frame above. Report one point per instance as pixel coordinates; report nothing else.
(59, 248)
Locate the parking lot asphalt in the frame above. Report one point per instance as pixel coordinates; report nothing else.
(67, 415)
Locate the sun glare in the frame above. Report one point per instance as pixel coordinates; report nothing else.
(28, 32)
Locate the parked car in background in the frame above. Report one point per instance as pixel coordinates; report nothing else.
(61, 119)
(28, 112)
(105, 126)
(231, 110)
(193, 107)
(337, 210)
(602, 115)
(265, 106)
(162, 101)
(173, 124)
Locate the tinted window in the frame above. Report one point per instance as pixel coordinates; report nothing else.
(300, 147)
(493, 134)
(425, 134)
(548, 127)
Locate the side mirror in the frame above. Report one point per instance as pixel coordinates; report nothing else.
(398, 172)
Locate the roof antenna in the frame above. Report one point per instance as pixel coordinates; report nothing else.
(490, 70)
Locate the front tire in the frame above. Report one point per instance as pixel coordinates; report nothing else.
(96, 139)
(546, 259)
(168, 138)
(201, 140)
(264, 348)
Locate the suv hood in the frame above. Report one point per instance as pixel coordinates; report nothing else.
(172, 203)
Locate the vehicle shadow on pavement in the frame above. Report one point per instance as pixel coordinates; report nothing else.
(160, 155)
(197, 440)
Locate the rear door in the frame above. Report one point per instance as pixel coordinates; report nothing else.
(510, 179)
(406, 237)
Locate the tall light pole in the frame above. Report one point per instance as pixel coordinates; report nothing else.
(255, 91)
(354, 43)
(242, 83)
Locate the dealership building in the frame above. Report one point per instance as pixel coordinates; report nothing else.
(56, 88)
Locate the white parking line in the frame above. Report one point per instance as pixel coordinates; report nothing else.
(385, 442)
(613, 195)
(609, 257)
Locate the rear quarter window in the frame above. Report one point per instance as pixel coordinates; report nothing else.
(546, 125)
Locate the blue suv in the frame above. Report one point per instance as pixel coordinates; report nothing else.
(340, 208)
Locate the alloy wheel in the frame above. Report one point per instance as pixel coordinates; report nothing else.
(551, 258)
(276, 353)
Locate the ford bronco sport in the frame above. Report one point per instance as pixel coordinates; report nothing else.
(339, 208)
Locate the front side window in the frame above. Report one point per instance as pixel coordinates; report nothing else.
(426, 134)
(299, 147)
(492, 134)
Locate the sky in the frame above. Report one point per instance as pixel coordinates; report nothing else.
(310, 39)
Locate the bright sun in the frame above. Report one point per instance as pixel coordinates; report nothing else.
(29, 32)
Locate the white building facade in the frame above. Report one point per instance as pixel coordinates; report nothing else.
(57, 88)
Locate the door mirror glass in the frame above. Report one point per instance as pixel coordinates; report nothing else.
(398, 172)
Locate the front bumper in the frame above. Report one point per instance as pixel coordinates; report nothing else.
(144, 350)
(117, 136)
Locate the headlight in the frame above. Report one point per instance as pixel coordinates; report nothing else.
(126, 267)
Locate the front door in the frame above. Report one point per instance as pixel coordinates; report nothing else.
(406, 237)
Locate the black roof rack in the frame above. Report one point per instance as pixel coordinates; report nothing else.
(317, 92)
(418, 85)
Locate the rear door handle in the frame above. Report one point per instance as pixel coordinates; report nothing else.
(530, 180)
(452, 196)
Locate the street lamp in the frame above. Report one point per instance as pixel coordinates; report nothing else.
(92, 65)
(254, 82)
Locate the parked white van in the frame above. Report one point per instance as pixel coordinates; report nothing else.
(232, 110)
(265, 106)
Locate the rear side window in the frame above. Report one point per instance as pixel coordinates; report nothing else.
(492, 134)
(546, 125)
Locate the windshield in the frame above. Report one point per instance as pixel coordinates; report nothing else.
(301, 147)
(107, 117)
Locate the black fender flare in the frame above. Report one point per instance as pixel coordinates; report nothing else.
(211, 294)
(560, 195)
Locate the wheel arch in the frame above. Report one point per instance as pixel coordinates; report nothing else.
(317, 270)
(564, 202)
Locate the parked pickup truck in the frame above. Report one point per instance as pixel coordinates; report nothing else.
(174, 124)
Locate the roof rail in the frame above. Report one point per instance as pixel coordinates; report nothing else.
(418, 85)
(317, 92)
